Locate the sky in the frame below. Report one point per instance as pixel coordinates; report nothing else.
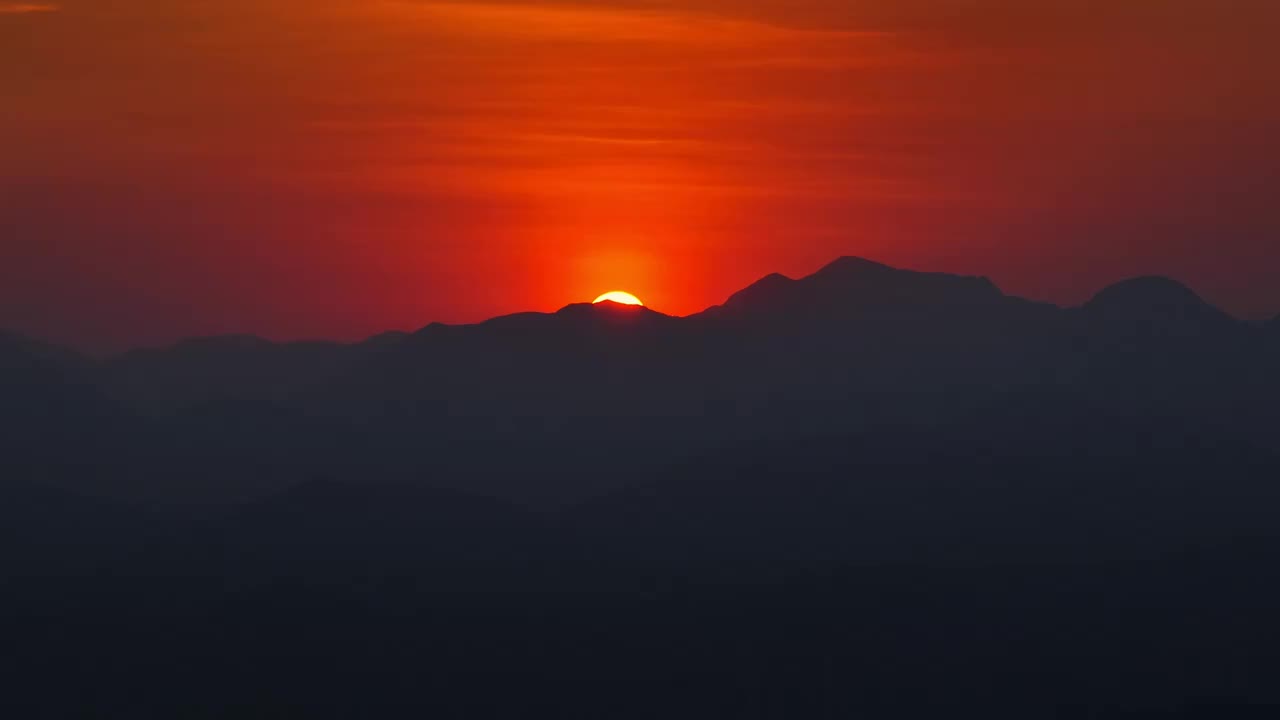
(337, 168)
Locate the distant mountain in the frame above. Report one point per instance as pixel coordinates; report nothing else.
(854, 282)
(851, 287)
(32, 369)
(1152, 346)
(201, 371)
(54, 411)
(607, 328)
(858, 327)
(1156, 307)
(386, 340)
(16, 349)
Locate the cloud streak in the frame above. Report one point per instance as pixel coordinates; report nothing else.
(28, 8)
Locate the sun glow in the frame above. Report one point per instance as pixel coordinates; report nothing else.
(617, 296)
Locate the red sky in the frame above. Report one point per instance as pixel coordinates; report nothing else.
(335, 168)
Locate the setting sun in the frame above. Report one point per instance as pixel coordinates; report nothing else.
(619, 297)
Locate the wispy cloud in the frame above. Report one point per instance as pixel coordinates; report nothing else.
(11, 8)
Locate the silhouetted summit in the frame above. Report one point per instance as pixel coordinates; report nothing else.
(857, 282)
(603, 316)
(1156, 305)
(856, 279)
(851, 288)
(770, 293)
(609, 313)
(571, 329)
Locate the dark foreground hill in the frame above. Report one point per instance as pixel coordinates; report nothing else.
(865, 493)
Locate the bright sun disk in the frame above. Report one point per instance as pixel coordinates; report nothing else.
(617, 296)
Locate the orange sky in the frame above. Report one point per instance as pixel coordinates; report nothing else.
(334, 168)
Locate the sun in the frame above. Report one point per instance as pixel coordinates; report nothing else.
(617, 296)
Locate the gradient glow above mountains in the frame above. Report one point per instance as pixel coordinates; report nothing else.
(173, 168)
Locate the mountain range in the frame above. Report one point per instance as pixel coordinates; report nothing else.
(597, 395)
(867, 492)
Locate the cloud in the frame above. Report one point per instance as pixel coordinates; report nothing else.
(9, 8)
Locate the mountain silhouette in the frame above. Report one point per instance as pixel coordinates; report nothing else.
(16, 349)
(593, 395)
(1156, 307)
(849, 287)
(867, 492)
(201, 371)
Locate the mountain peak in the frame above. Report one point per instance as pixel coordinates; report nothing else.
(606, 309)
(863, 282)
(1149, 294)
(1155, 304)
(855, 285)
(773, 279)
(1147, 289)
(849, 265)
(770, 290)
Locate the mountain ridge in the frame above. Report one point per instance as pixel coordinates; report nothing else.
(845, 279)
(830, 468)
(603, 393)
